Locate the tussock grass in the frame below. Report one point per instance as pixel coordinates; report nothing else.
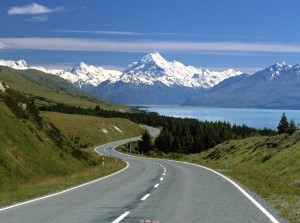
(32, 165)
(87, 131)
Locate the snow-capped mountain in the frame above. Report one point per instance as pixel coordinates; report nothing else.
(275, 70)
(274, 87)
(153, 68)
(18, 65)
(82, 75)
(150, 80)
(153, 80)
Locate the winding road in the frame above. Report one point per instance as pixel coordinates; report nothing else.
(147, 190)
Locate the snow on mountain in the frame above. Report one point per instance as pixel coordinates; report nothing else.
(150, 70)
(89, 75)
(153, 68)
(18, 65)
(82, 75)
(276, 87)
(277, 69)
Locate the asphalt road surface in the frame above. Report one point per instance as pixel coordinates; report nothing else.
(147, 190)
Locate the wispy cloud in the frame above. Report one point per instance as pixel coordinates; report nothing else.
(99, 32)
(122, 33)
(75, 44)
(33, 9)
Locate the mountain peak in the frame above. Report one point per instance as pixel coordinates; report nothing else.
(279, 66)
(19, 65)
(153, 57)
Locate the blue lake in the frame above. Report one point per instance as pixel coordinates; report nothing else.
(257, 118)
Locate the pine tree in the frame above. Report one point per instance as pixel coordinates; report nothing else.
(283, 125)
(292, 127)
(145, 145)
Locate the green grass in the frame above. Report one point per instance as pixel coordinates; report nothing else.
(83, 130)
(47, 88)
(272, 172)
(32, 165)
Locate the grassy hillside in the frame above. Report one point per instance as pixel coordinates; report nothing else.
(269, 166)
(47, 88)
(38, 159)
(89, 131)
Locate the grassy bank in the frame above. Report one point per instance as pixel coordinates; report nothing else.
(32, 164)
(269, 166)
(88, 131)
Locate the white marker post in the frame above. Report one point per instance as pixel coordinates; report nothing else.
(103, 162)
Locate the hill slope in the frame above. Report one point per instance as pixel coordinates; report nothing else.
(47, 88)
(37, 158)
(269, 166)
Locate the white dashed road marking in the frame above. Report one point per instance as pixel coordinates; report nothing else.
(121, 217)
(145, 197)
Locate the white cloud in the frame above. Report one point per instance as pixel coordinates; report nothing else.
(99, 32)
(75, 44)
(33, 9)
(116, 32)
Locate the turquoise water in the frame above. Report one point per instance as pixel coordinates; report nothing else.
(257, 118)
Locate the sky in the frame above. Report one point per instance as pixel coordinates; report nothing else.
(216, 34)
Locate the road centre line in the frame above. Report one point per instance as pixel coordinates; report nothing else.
(121, 217)
(145, 197)
(161, 178)
(156, 185)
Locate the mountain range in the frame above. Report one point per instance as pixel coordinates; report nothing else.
(275, 87)
(151, 80)
(154, 80)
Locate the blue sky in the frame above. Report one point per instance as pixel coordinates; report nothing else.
(216, 34)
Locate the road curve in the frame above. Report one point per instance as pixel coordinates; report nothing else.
(147, 190)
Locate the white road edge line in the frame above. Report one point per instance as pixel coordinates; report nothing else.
(145, 197)
(156, 185)
(64, 191)
(258, 205)
(121, 217)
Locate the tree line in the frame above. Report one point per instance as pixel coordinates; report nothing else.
(181, 135)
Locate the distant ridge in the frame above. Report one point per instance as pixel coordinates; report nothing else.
(276, 87)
